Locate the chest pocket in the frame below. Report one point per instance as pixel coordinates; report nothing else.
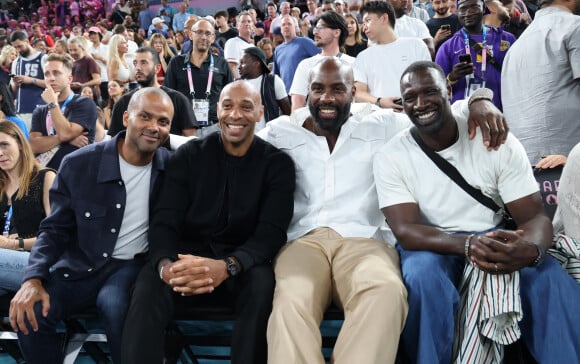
(364, 142)
(295, 148)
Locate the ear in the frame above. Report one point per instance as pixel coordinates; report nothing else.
(125, 118)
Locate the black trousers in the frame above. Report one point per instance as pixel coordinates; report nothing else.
(153, 305)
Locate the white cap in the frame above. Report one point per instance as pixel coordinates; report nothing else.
(157, 20)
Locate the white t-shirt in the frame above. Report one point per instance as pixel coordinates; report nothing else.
(405, 174)
(380, 67)
(407, 26)
(132, 238)
(567, 218)
(300, 82)
(234, 49)
(279, 89)
(103, 51)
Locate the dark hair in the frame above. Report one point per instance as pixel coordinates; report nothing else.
(379, 8)
(7, 103)
(335, 21)
(222, 13)
(119, 29)
(18, 35)
(424, 65)
(153, 53)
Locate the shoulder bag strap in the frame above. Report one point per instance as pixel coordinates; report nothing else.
(454, 174)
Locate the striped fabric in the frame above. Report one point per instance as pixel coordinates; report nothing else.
(488, 316)
(566, 250)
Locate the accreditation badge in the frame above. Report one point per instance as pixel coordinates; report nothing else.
(201, 111)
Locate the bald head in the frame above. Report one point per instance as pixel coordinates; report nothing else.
(333, 65)
(244, 89)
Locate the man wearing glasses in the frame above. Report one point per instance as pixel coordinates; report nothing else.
(200, 76)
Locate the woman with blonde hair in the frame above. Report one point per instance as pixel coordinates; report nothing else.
(117, 67)
(24, 203)
(159, 43)
(7, 56)
(354, 43)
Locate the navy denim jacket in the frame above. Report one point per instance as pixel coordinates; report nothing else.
(87, 202)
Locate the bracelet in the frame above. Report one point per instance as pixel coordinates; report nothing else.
(161, 272)
(20, 244)
(468, 245)
(378, 102)
(541, 255)
(449, 80)
(480, 94)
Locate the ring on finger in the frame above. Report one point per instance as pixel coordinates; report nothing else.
(496, 268)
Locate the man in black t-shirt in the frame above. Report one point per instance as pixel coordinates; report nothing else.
(444, 23)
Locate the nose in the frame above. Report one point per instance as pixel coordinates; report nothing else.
(327, 96)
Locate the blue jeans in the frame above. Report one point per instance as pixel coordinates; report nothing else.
(551, 323)
(108, 290)
(12, 265)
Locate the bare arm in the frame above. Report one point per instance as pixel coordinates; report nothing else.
(234, 69)
(284, 105)
(363, 95)
(298, 101)
(41, 143)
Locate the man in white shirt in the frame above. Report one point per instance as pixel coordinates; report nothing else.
(407, 26)
(442, 230)
(234, 47)
(330, 34)
(100, 53)
(378, 69)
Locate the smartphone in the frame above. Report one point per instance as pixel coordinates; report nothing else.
(398, 102)
(446, 27)
(465, 58)
(11, 75)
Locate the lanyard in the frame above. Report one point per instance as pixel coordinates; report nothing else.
(7, 222)
(483, 48)
(209, 78)
(49, 123)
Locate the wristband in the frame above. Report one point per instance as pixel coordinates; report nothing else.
(21, 244)
(468, 245)
(449, 80)
(480, 94)
(378, 102)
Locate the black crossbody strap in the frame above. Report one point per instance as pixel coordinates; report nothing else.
(454, 174)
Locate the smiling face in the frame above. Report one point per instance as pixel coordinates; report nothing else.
(330, 94)
(238, 110)
(426, 98)
(470, 13)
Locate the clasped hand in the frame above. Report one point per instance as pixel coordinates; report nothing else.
(191, 275)
(502, 251)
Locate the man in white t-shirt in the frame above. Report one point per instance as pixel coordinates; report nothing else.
(378, 69)
(330, 34)
(254, 69)
(439, 227)
(234, 47)
(409, 27)
(100, 53)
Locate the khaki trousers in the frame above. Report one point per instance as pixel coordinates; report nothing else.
(360, 275)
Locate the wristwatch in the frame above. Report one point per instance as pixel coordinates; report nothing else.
(378, 102)
(51, 105)
(232, 266)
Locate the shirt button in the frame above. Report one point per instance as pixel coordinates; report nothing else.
(113, 230)
(105, 255)
(65, 275)
(120, 183)
(87, 214)
(118, 205)
(90, 270)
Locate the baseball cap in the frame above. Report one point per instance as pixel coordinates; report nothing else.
(157, 20)
(94, 30)
(259, 54)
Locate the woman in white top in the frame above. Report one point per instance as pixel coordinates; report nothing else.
(118, 68)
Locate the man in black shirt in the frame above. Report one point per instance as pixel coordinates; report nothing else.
(444, 23)
(219, 223)
(146, 67)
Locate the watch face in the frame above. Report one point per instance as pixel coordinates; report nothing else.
(232, 267)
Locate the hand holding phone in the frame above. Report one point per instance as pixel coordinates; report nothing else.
(445, 27)
(465, 58)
